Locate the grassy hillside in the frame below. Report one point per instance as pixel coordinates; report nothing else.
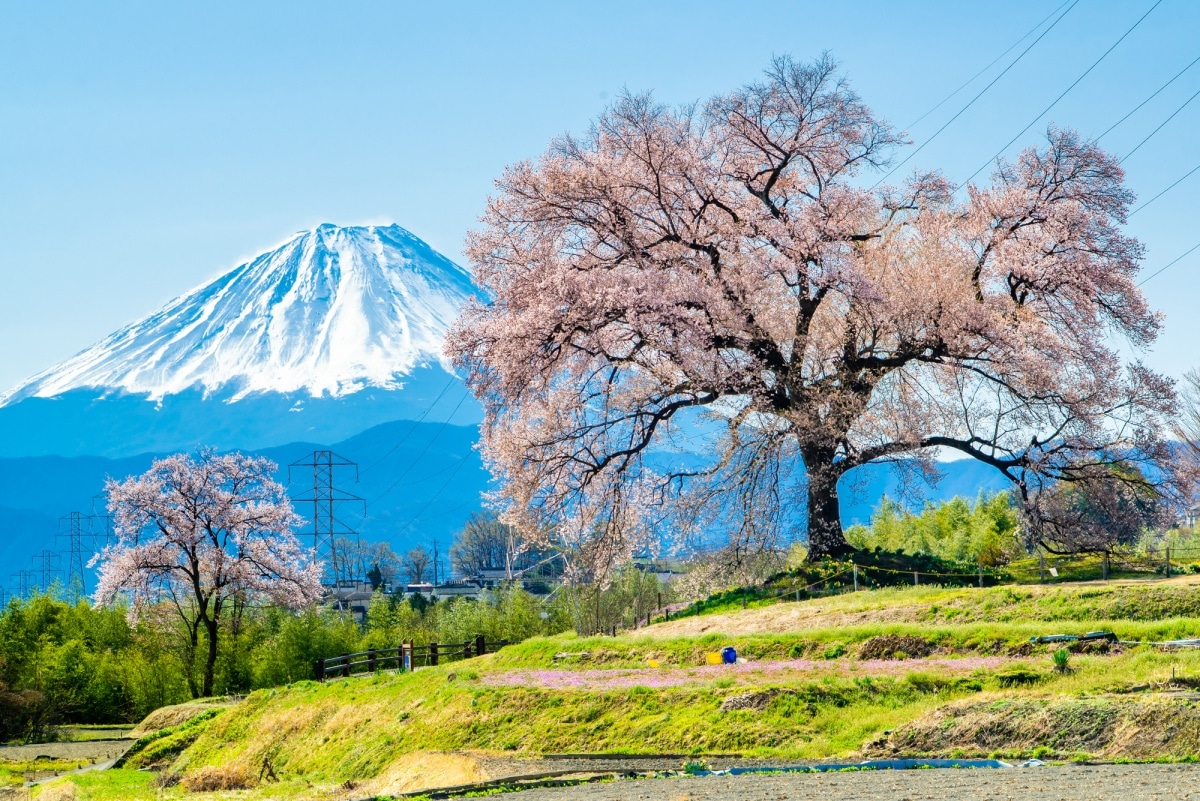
(905, 670)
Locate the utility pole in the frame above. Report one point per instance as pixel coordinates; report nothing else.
(435, 562)
(326, 500)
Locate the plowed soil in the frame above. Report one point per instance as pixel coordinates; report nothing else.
(1047, 783)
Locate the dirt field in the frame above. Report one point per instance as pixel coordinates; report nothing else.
(99, 750)
(1065, 783)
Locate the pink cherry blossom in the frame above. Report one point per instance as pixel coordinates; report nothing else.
(201, 533)
(728, 259)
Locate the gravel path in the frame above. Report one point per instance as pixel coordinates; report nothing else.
(1058, 783)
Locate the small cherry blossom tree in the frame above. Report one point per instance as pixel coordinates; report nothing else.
(204, 533)
(728, 259)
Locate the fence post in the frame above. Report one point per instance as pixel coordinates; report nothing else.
(345, 665)
(1042, 565)
(981, 574)
(480, 645)
(855, 566)
(467, 650)
(915, 580)
(320, 669)
(370, 660)
(433, 654)
(1168, 562)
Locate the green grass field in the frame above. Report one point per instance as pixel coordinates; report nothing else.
(913, 670)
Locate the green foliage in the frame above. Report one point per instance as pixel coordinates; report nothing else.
(631, 596)
(70, 663)
(1061, 658)
(66, 663)
(985, 532)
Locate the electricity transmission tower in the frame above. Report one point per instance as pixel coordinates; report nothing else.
(327, 499)
(47, 567)
(104, 536)
(81, 545)
(24, 583)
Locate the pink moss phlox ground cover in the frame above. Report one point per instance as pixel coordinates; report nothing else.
(744, 672)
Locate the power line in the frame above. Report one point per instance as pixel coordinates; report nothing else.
(1171, 264)
(971, 102)
(991, 64)
(1165, 191)
(1148, 99)
(432, 498)
(428, 445)
(1160, 127)
(411, 429)
(1054, 103)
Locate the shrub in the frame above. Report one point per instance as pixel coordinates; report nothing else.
(1018, 677)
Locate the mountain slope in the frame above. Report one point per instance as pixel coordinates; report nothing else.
(329, 312)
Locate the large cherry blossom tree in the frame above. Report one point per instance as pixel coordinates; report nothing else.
(203, 533)
(731, 258)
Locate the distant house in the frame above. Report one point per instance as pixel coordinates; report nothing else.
(354, 596)
(457, 589)
(1191, 517)
(424, 588)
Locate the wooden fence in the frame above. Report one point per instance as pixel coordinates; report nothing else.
(406, 656)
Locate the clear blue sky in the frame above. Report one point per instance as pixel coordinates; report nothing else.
(146, 147)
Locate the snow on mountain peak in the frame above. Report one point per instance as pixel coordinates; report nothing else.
(329, 312)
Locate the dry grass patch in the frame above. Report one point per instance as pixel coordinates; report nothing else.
(168, 716)
(428, 770)
(59, 791)
(1059, 727)
(215, 778)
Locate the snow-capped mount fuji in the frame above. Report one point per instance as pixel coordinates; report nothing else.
(335, 331)
(327, 313)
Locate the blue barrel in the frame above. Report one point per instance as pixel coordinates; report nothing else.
(728, 655)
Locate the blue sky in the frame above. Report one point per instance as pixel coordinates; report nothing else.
(146, 147)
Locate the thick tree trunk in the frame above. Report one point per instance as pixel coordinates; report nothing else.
(210, 664)
(825, 537)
